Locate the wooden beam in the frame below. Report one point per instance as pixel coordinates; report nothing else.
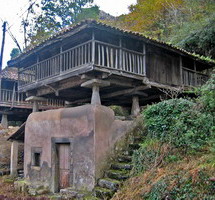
(159, 85)
(98, 82)
(137, 93)
(69, 83)
(124, 92)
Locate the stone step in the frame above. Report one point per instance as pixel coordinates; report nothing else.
(121, 166)
(134, 146)
(109, 183)
(138, 139)
(20, 173)
(103, 193)
(117, 174)
(128, 152)
(124, 159)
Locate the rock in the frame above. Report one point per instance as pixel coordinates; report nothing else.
(21, 186)
(109, 183)
(103, 193)
(123, 166)
(125, 159)
(43, 191)
(68, 193)
(32, 192)
(117, 174)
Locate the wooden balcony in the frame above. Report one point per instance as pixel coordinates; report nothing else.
(91, 53)
(10, 98)
(193, 78)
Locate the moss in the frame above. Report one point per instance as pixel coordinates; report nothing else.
(8, 180)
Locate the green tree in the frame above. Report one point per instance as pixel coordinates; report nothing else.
(56, 15)
(88, 13)
(185, 23)
(14, 53)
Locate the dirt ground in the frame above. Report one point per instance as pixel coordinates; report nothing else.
(7, 191)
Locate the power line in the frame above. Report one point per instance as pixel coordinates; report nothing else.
(12, 36)
(27, 10)
(14, 39)
(9, 26)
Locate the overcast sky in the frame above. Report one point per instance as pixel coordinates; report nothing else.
(12, 11)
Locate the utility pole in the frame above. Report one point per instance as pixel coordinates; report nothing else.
(2, 46)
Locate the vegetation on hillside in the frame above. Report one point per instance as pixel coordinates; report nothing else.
(176, 160)
(188, 24)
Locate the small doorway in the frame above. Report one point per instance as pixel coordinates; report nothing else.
(64, 165)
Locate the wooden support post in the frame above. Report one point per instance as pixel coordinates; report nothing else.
(4, 121)
(14, 158)
(135, 110)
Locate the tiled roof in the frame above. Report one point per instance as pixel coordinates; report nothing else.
(9, 73)
(140, 35)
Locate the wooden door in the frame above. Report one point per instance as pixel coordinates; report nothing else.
(64, 165)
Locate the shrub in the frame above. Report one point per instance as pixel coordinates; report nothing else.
(150, 155)
(119, 111)
(182, 122)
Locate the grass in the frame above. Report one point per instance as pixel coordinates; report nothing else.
(190, 172)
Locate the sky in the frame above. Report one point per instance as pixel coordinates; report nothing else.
(13, 11)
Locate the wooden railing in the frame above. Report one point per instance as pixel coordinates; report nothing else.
(114, 57)
(91, 52)
(192, 78)
(61, 63)
(9, 97)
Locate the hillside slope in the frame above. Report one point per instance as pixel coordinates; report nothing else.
(177, 158)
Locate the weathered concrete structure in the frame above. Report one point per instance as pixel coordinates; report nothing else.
(69, 147)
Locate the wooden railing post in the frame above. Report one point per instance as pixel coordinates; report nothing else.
(37, 70)
(61, 61)
(181, 70)
(195, 73)
(93, 48)
(120, 53)
(144, 59)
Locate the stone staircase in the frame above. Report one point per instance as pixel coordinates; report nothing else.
(118, 172)
(20, 173)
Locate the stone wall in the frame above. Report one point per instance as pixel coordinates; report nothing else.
(91, 131)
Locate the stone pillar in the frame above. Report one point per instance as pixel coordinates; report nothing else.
(4, 121)
(95, 84)
(35, 106)
(14, 158)
(35, 101)
(95, 99)
(135, 110)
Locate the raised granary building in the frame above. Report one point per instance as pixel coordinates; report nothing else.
(92, 63)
